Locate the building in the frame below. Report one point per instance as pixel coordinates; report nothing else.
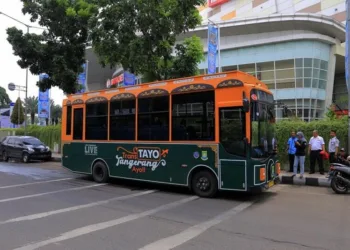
(294, 46)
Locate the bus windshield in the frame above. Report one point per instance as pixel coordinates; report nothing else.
(263, 129)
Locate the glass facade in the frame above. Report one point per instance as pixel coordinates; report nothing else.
(306, 74)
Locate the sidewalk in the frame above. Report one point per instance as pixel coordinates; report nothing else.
(315, 180)
(56, 157)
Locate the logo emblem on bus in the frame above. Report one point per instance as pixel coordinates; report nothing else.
(141, 158)
(196, 155)
(204, 156)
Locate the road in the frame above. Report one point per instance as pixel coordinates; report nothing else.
(43, 206)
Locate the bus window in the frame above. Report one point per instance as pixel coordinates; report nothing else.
(78, 124)
(96, 121)
(122, 120)
(232, 130)
(69, 120)
(193, 116)
(153, 119)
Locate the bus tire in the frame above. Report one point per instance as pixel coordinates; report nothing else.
(100, 172)
(204, 184)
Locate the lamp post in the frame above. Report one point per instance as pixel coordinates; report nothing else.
(12, 87)
(26, 87)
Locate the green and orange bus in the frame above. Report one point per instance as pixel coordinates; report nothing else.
(208, 133)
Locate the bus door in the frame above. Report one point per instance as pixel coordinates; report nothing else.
(233, 161)
(78, 121)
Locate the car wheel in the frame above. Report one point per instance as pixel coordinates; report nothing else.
(100, 172)
(25, 157)
(5, 156)
(204, 184)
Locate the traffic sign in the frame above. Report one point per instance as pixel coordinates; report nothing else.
(11, 86)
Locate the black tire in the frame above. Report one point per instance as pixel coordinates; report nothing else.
(204, 184)
(25, 158)
(338, 186)
(5, 156)
(100, 172)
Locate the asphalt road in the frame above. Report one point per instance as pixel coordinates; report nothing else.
(43, 206)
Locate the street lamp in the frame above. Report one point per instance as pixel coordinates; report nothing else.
(26, 87)
(12, 87)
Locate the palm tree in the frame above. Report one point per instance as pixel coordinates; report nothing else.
(31, 104)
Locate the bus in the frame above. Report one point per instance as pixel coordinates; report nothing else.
(207, 132)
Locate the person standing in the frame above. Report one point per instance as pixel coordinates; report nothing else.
(316, 145)
(300, 145)
(291, 150)
(333, 146)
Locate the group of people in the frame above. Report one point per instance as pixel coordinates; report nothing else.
(297, 146)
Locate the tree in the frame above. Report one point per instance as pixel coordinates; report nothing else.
(60, 50)
(17, 116)
(56, 112)
(140, 35)
(31, 104)
(4, 98)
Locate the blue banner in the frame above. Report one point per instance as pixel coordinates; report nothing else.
(82, 79)
(129, 79)
(44, 101)
(212, 48)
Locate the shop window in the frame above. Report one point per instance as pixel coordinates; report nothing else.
(299, 62)
(307, 72)
(285, 64)
(232, 130)
(307, 82)
(193, 116)
(265, 66)
(122, 120)
(153, 119)
(96, 121)
(285, 74)
(307, 62)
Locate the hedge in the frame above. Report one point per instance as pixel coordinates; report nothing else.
(52, 134)
(48, 134)
(284, 128)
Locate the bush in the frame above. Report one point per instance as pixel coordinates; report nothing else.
(283, 129)
(48, 135)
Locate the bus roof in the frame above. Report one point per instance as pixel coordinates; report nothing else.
(235, 78)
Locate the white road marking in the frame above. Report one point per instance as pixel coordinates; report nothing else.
(192, 232)
(34, 183)
(53, 192)
(70, 209)
(104, 225)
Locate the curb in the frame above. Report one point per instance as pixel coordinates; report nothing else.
(56, 159)
(306, 181)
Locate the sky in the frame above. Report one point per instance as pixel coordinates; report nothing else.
(9, 69)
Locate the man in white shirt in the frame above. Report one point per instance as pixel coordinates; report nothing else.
(316, 145)
(333, 146)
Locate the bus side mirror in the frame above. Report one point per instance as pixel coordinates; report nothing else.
(246, 105)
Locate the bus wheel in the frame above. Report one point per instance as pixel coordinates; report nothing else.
(100, 172)
(204, 184)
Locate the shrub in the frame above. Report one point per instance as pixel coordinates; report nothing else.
(48, 134)
(283, 129)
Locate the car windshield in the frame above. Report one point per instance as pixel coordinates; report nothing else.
(32, 141)
(263, 129)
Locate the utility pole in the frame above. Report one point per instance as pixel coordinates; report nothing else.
(347, 66)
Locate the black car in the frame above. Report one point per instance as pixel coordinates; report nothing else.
(24, 147)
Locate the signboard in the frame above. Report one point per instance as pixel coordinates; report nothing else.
(214, 3)
(44, 101)
(129, 78)
(126, 79)
(82, 79)
(212, 48)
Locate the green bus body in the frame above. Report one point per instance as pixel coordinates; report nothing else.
(170, 163)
